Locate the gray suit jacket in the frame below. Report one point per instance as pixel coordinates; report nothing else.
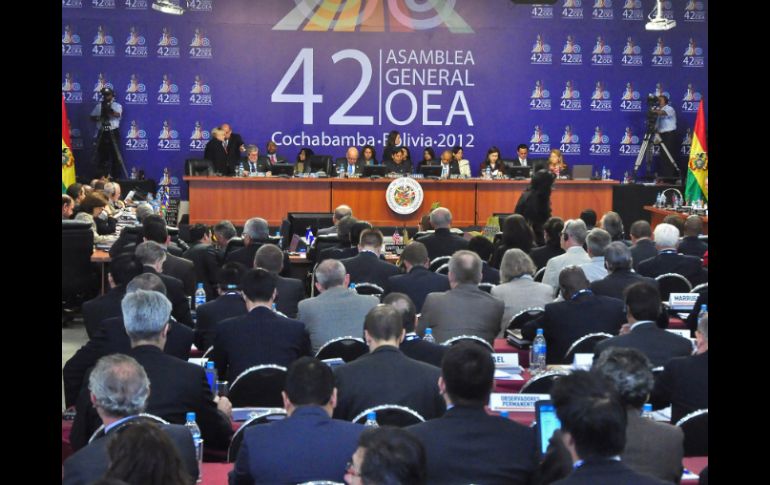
(464, 310)
(337, 312)
(653, 448)
(573, 256)
(520, 294)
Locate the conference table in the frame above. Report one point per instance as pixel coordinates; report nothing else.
(472, 201)
(657, 215)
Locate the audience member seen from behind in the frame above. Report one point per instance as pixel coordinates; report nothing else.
(484, 248)
(535, 203)
(552, 236)
(597, 241)
(589, 217)
(618, 261)
(613, 224)
(387, 455)
(413, 346)
(642, 245)
(442, 242)
(691, 244)
(92, 208)
(669, 261)
(573, 237)
(418, 281)
(516, 234)
(229, 303)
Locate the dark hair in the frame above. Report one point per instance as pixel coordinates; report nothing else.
(99, 185)
(374, 153)
(425, 223)
(589, 408)
(390, 142)
(309, 382)
(571, 280)
(394, 456)
(230, 275)
(456, 149)
(521, 145)
(356, 230)
(258, 284)
(154, 229)
(198, 231)
(415, 253)
(74, 190)
(124, 268)
(517, 233)
(542, 181)
(589, 217)
(371, 237)
(408, 156)
(481, 246)
(641, 229)
(405, 305)
(630, 372)
(308, 153)
(383, 322)
(553, 227)
(92, 201)
(430, 151)
(643, 301)
(492, 150)
(468, 371)
(675, 221)
(66, 200)
(269, 257)
(142, 453)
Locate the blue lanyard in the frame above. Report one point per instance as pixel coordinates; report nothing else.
(584, 291)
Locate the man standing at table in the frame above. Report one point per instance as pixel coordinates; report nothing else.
(233, 144)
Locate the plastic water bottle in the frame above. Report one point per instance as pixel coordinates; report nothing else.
(211, 376)
(429, 336)
(504, 414)
(200, 296)
(488, 172)
(604, 173)
(609, 174)
(134, 173)
(280, 241)
(371, 420)
(647, 411)
(352, 286)
(537, 359)
(703, 312)
(240, 170)
(197, 440)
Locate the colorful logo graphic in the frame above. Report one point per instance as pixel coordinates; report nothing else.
(168, 92)
(168, 45)
(570, 141)
(571, 53)
(629, 143)
(602, 10)
(691, 99)
(200, 46)
(370, 16)
(570, 98)
(168, 139)
(659, 91)
(200, 93)
(632, 54)
(404, 195)
(136, 44)
(693, 12)
(693, 55)
(199, 5)
(539, 142)
(70, 42)
(199, 137)
(632, 10)
(601, 55)
(572, 9)
(101, 83)
(542, 11)
(103, 44)
(136, 138)
(600, 98)
(540, 100)
(136, 4)
(103, 3)
(686, 142)
(71, 89)
(75, 137)
(136, 92)
(541, 52)
(630, 100)
(661, 54)
(600, 143)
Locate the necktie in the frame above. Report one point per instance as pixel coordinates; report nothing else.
(351, 169)
(225, 145)
(253, 169)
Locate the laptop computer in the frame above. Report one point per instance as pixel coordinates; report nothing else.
(582, 172)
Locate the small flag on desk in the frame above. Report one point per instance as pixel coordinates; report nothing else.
(67, 158)
(698, 167)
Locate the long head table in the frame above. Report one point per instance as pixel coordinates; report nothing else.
(471, 201)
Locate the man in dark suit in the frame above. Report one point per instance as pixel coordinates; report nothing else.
(367, 267)
(398, 165)
(119, 387)
(215, 152)
(690, 244)
(152, 256)
(330, 243)
(290, 290)
(272, 155)
(668, 261)
(413, 345)
(465, 309)
(340, 212)
(385, 375)
(684, 382)
(442, 242)
(223, 232)
(178, 387)
(154, 229)
(308, 444)
(261, 336)
(110, 337)
(233, 145)
(642, 332)
(581, 313)
(484, 248)
(593, 425)
(418, 281)
(204, 258)
(130, 236)
(253, 164)
(349, 164)
(552, 232)
(643, 246)
(229, 304)
(467, 445)
(352, 250)
(122, 270)
(618, 261)
(256, 232)
(521, 160)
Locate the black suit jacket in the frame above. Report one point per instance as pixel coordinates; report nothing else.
(244, 255)
(616, 282)
(692, 246)
(215, 152)
(177, 387)
(643, 249)
(669, 262)
(344, 163)
(204, 259)
(91, 462)
(129, 236)
(454, 168)
(233, 155)
(109, 338)
(367, 267)
(175, 293)
(387, 376)
(443, 243)
(416, 348)
(290, 292)
(542, 254)
(684, 384)
(657, 344)
(607, 472)
(337, 253)
(467, 445)
(181, 269)
(417, 283)
(692, 318)
(259, 337)
(566, 321)
(403, 168)
(209, 315)
(489, 274)
(102, 307)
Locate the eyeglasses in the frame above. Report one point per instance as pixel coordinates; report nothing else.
(350, 470)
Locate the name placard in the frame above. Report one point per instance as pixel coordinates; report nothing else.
(515, 402)
(583, 361)
(682, 301)
(508, 361)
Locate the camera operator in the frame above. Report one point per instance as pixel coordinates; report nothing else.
(665, 127)
(106, 114)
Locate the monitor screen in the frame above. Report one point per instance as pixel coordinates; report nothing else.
(300, 221)
(431, 170)
(320, 163)
(282, 168)
(370, 170)
(547, 422)
(519, 172)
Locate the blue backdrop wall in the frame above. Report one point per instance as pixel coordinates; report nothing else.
(328, 74)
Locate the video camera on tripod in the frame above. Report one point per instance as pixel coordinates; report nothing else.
(652, 113)
(106, 110)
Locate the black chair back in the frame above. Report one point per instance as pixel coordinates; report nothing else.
(391, 415)
(259, 386)
(345, 348)
(584, 344)
(469, 338)
(486, 287)
(696, 433)
(267, 416)
(539, 275)
(233, 244)
(77, 272)
(672, 283)
(364, 288)
(438, 262)
(199, 167)
(542, 383)
(524, 316)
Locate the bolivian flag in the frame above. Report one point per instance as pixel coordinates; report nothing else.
(67, 158)
(698, 166)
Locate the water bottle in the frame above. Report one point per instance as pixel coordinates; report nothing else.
(352, 286)
(429, 336)
(197, 440)
(537, 358)
(211, 376)
(609, 174)
(371, 420)
(240, 170)
(703, 312)
(604, 173)
(504, 414)
(340, 170)
(488, 172)
(647, 411)
(200, 296)
(134, 174)
(280, 240)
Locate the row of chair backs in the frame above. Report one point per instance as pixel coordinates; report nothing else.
(265, 417)
(696, 433)
(77, 245)
(259, 386)
(672, 283)
(347, 348)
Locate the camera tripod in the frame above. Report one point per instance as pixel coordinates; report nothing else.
(646, 151)
(105, 130)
